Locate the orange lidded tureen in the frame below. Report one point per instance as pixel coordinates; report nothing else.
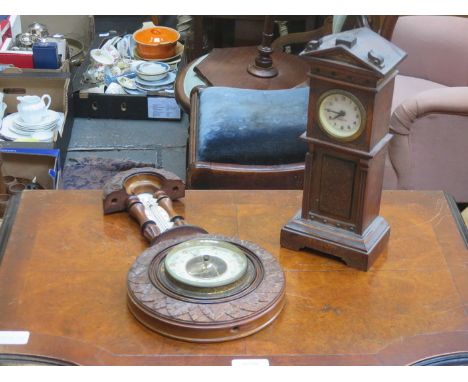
(156, 42)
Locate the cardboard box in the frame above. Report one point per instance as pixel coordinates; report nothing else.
(30, 163)
(24, 60)
(29, 83)
(119, 106)
(65, 68)
(18, 58)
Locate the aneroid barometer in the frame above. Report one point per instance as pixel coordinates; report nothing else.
(189, 284)
(351, 87)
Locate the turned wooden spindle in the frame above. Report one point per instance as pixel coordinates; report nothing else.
(263, 64)
(165, 202)
(136, 209)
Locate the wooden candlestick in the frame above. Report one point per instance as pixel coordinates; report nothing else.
(166, 203)
(136, 209)
(263, 66)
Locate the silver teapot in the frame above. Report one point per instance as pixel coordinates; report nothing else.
(39, 30)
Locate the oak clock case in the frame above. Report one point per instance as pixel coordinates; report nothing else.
(191, 285)
(351, 87)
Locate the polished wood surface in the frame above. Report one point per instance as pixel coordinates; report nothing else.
(228, 67)
(63, 278)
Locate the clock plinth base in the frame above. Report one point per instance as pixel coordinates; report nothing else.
(357, 251)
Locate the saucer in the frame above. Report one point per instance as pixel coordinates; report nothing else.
(33, 129)
(171, 76)
(18, 130)
(126, 83)
(10, 132)
(43, 136)
(153, 89)
(179, 51)
(134, 91)
(49, 118)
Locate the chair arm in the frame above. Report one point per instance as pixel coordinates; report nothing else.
(452, 100)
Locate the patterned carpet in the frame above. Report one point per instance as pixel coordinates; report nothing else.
(92, 173)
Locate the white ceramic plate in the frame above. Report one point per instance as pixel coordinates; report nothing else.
(49, 118)
(152, 68)
(33, 129)
(134, 91)
(7, 129)
(150, 89)
(43, 136)
(165, 81)
(20, 131)
(127, 83)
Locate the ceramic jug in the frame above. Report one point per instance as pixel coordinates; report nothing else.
(33, 108)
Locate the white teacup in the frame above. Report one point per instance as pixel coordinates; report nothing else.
(114, 88)
(33, 108)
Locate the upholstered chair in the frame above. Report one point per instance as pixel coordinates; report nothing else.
(429, 150)
(247, 139)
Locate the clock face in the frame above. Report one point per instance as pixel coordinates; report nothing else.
(341, 115)
(206, 263)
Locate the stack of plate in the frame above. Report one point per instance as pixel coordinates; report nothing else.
(150, 77)
(152, 86)
(15, 128)
(171, 61)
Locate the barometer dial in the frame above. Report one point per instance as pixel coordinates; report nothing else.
(206, 263)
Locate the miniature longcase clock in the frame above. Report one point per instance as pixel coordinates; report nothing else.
(351, 87)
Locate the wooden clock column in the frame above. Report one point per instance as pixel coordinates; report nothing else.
(351, 88)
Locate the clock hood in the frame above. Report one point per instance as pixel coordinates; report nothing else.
(360, 47)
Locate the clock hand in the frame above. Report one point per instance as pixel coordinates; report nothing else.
(333, 111)
(342, 113)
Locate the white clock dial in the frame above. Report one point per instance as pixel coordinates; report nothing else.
(206, 263)
(341, 115)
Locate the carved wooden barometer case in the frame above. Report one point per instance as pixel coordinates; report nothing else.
(189, 284)
(351, 87)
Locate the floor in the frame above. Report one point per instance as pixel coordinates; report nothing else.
(161, 143)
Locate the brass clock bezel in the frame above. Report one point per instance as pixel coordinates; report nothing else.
(358, 102)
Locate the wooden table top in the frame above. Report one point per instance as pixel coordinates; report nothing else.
(63, 278)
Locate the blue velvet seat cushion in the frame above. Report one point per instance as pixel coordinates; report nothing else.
(256, 127)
